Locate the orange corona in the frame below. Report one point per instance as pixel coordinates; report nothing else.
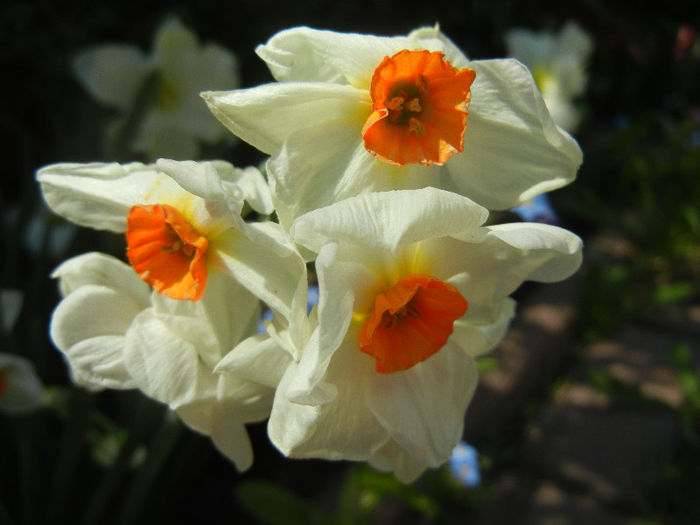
(419, 103)
(166, 251)
(410, 322)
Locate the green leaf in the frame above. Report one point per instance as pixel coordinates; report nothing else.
(272, 504)
(673, 292)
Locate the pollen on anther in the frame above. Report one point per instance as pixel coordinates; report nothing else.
(416, 127)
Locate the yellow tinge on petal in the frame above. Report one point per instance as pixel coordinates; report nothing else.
(419, 103)
(166, 251)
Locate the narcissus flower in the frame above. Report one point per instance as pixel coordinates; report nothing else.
(558, 63)
(190, 292)
(159, 93)
(356, 113)
(412, 288)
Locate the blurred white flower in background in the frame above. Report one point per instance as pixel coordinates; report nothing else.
(11, 304)
(159, 92)
(558, 63)
(21, 390)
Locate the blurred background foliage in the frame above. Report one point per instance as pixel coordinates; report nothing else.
(116, 457)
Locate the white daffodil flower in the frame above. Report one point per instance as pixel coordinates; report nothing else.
(21, 390)
(412, 289)
(171, 119)
(558, 63)
(207, 268)
(352, 113)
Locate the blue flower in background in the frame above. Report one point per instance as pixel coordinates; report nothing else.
(311, 301)
(464, 465)
(537, 209)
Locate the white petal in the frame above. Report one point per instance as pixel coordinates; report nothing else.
(481, 329)
(98, 195)
(92, 311)
(340, 168)
(423, 407)
(231, 439)
(387, 219)
(320, 165)
(392, 458)
(290, 424)
(204, 179)
(104, 270)
(233, 400)
(265, 115)
(560, 249)
(262, 258)
(98, 362)
(338, 281)
(224, 315)
(512, 148)
(112, 74)
(342, 429)
(88, 326)
(164, 366)
(219, 180)
(305, 54)
(258, 358)
(487, 268)
(433, 39)
(249, 184)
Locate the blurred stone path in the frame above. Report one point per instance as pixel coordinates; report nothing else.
(570, 453)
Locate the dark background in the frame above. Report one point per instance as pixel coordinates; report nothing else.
(638, 186)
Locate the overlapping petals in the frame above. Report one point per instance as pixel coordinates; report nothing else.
(332, 402)
(208, 196)
(385, 155)
(512, 149)
(116, 333)
(119, 328)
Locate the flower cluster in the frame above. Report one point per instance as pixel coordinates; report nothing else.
(385, 154)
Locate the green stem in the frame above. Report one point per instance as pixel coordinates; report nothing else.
(161, 447)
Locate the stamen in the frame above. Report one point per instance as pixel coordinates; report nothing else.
(166, 251)
(413, 105)
(411, 321)
(416, 127)
(425, 99)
